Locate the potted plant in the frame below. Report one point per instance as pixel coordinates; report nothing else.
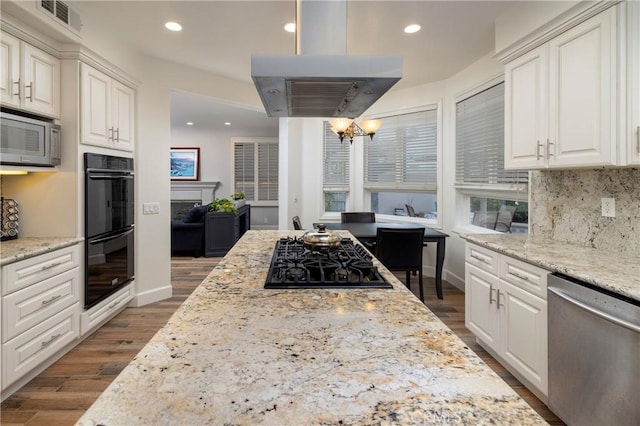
(224, 205)
(238, 198)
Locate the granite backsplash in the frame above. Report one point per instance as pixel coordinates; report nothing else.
(566, 206)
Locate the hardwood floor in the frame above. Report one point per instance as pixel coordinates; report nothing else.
(61, 394)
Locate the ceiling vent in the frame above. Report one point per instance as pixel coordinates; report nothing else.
(62, 13)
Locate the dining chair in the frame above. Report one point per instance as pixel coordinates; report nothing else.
(401, 250)
(358, 217)
(297, 225)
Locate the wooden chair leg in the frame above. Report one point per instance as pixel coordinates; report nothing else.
(421, 288)
(408, 283)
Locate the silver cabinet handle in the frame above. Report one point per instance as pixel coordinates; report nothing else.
(30, 86)
(110, 137)
(476, 257)
(522, 277)
(638, 138)
(594, 311)
(549, 152)
(498, 300)
(46, 302)
(491, 290)
(113, 305)
(117, 133)
(538, 146)
(18, 83)
(48, 342)
(53, 265)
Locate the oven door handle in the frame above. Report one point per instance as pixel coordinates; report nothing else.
(594, 311)
(110, 177)
(112, 237)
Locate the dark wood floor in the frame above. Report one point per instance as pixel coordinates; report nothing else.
(62, 393)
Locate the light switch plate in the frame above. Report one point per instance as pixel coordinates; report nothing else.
(150, 208)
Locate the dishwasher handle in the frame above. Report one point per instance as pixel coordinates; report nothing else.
(593, 310)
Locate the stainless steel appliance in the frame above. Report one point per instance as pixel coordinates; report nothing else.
(28, 141)
(109, 225)
(346, 265)
(594, 354)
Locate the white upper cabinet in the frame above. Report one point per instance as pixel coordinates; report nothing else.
(633, 82)
(561, 99)
(107, 110)
(30, 78)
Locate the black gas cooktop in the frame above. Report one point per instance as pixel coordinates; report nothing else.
(349, 265)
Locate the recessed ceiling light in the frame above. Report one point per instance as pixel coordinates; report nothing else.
(413, 28)
(227, 123)
(189, 123)
(173, 26)
(290, 27)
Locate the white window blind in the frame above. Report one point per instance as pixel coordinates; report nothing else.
(480, 141)
(335, 173)
(403, 153)
(256, 170)
(336, 161)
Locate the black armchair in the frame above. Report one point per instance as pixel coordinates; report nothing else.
(187, 235)
(358, 217)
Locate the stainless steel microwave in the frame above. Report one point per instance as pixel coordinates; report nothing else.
(28, 141)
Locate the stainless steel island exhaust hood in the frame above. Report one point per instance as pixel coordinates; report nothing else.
(322, 81)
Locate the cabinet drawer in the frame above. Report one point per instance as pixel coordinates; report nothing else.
(18, 275)
(30, 306)
(524, 275)
(105, 309)
(25, 352)
(482, 258)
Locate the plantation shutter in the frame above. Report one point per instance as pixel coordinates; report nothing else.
(244, 169)
(267, 171)
(480, 141)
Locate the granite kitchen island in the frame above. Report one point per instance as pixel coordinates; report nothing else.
(236, 353)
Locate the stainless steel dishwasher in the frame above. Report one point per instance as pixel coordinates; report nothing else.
(594, 354)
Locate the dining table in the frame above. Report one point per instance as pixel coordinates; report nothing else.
(366, 233)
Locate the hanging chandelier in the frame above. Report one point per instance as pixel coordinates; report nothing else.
(347, 127)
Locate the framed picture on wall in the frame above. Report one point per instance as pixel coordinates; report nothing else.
(185, 163)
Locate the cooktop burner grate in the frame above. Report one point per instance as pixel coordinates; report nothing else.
(348, 265)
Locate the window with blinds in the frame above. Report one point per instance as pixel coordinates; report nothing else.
(403, 154)
(256, 170)
(480, 142)
(335, 174)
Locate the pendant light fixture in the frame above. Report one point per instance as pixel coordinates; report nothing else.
(347, 127)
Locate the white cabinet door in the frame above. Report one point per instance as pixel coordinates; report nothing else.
(107, 111)
(633, 83)
(122, 98)
(95, 106)
(526, 111)
(9, 70)
(523, 333)
(582, 101)
(41, 74)
(481, 316)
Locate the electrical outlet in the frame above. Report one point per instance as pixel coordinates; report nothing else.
(609, 207)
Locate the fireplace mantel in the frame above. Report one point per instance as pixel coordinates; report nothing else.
(202, 192)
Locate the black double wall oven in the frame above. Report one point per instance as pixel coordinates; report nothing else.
(109, 222)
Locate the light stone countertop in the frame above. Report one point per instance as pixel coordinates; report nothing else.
(236, 353)
(25, 247)
(619, 273)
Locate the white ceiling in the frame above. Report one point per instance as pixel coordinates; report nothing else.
(220, 36)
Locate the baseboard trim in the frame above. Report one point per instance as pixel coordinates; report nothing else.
(152, 296)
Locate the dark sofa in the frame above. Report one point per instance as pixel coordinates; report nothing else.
(187, 234)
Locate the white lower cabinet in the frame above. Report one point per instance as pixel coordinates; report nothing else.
(105, 310)
(40, 311)
(506, 308)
